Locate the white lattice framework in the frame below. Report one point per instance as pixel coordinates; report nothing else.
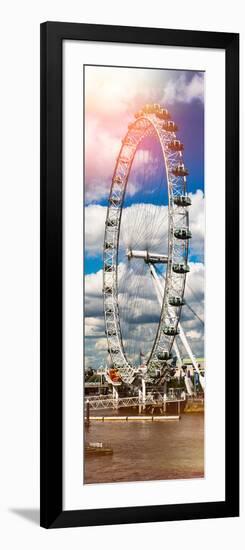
(128, 402)
(151, 121)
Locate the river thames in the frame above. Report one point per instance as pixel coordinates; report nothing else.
(147, 451)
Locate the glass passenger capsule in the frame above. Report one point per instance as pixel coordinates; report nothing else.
(176, 145)
(176, 301)
(108, 245)
(163, 114)
(182, 200)
(115, 351)
(180, 170)
(156, 107)
(111, 223)
(109, 267)
(170, 330)
(111, 332)
(182, 234)
(170, 126)
(148, 109)
(118, 180)
(108, 289)
(181, 268)
(164, 355)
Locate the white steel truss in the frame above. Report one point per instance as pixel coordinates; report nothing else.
(111, 403)
(160, 293)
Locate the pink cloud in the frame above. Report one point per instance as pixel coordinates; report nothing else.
(112, 95)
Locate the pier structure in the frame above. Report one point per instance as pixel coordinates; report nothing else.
(100, 402)
(115, 397)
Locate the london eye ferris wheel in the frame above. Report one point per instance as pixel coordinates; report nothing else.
(145, 251)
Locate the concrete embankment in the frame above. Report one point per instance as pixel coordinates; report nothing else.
(194, 406)
(138, 418)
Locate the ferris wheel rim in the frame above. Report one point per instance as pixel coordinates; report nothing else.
(144, 124)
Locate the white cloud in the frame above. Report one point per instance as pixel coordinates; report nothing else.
(102, 148)
(141, 227)
(193, 334)
(93, 282)
(101, 344)
(94, 326)
(94, 299)
(184, 90)
(195, 282)
(197, 223)
(95, 216)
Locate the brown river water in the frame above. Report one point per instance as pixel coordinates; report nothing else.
(147, 450)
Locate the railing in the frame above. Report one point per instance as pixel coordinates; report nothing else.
(112, 403)
(95, 385)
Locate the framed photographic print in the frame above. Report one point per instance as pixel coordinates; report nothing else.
(139, 274)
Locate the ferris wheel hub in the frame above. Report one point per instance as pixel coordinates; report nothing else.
(148, 257)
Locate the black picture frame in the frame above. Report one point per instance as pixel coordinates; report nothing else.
(52, 36)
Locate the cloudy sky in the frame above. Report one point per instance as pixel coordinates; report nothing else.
(112, 96)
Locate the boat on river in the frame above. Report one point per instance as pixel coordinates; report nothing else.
(98, 448)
